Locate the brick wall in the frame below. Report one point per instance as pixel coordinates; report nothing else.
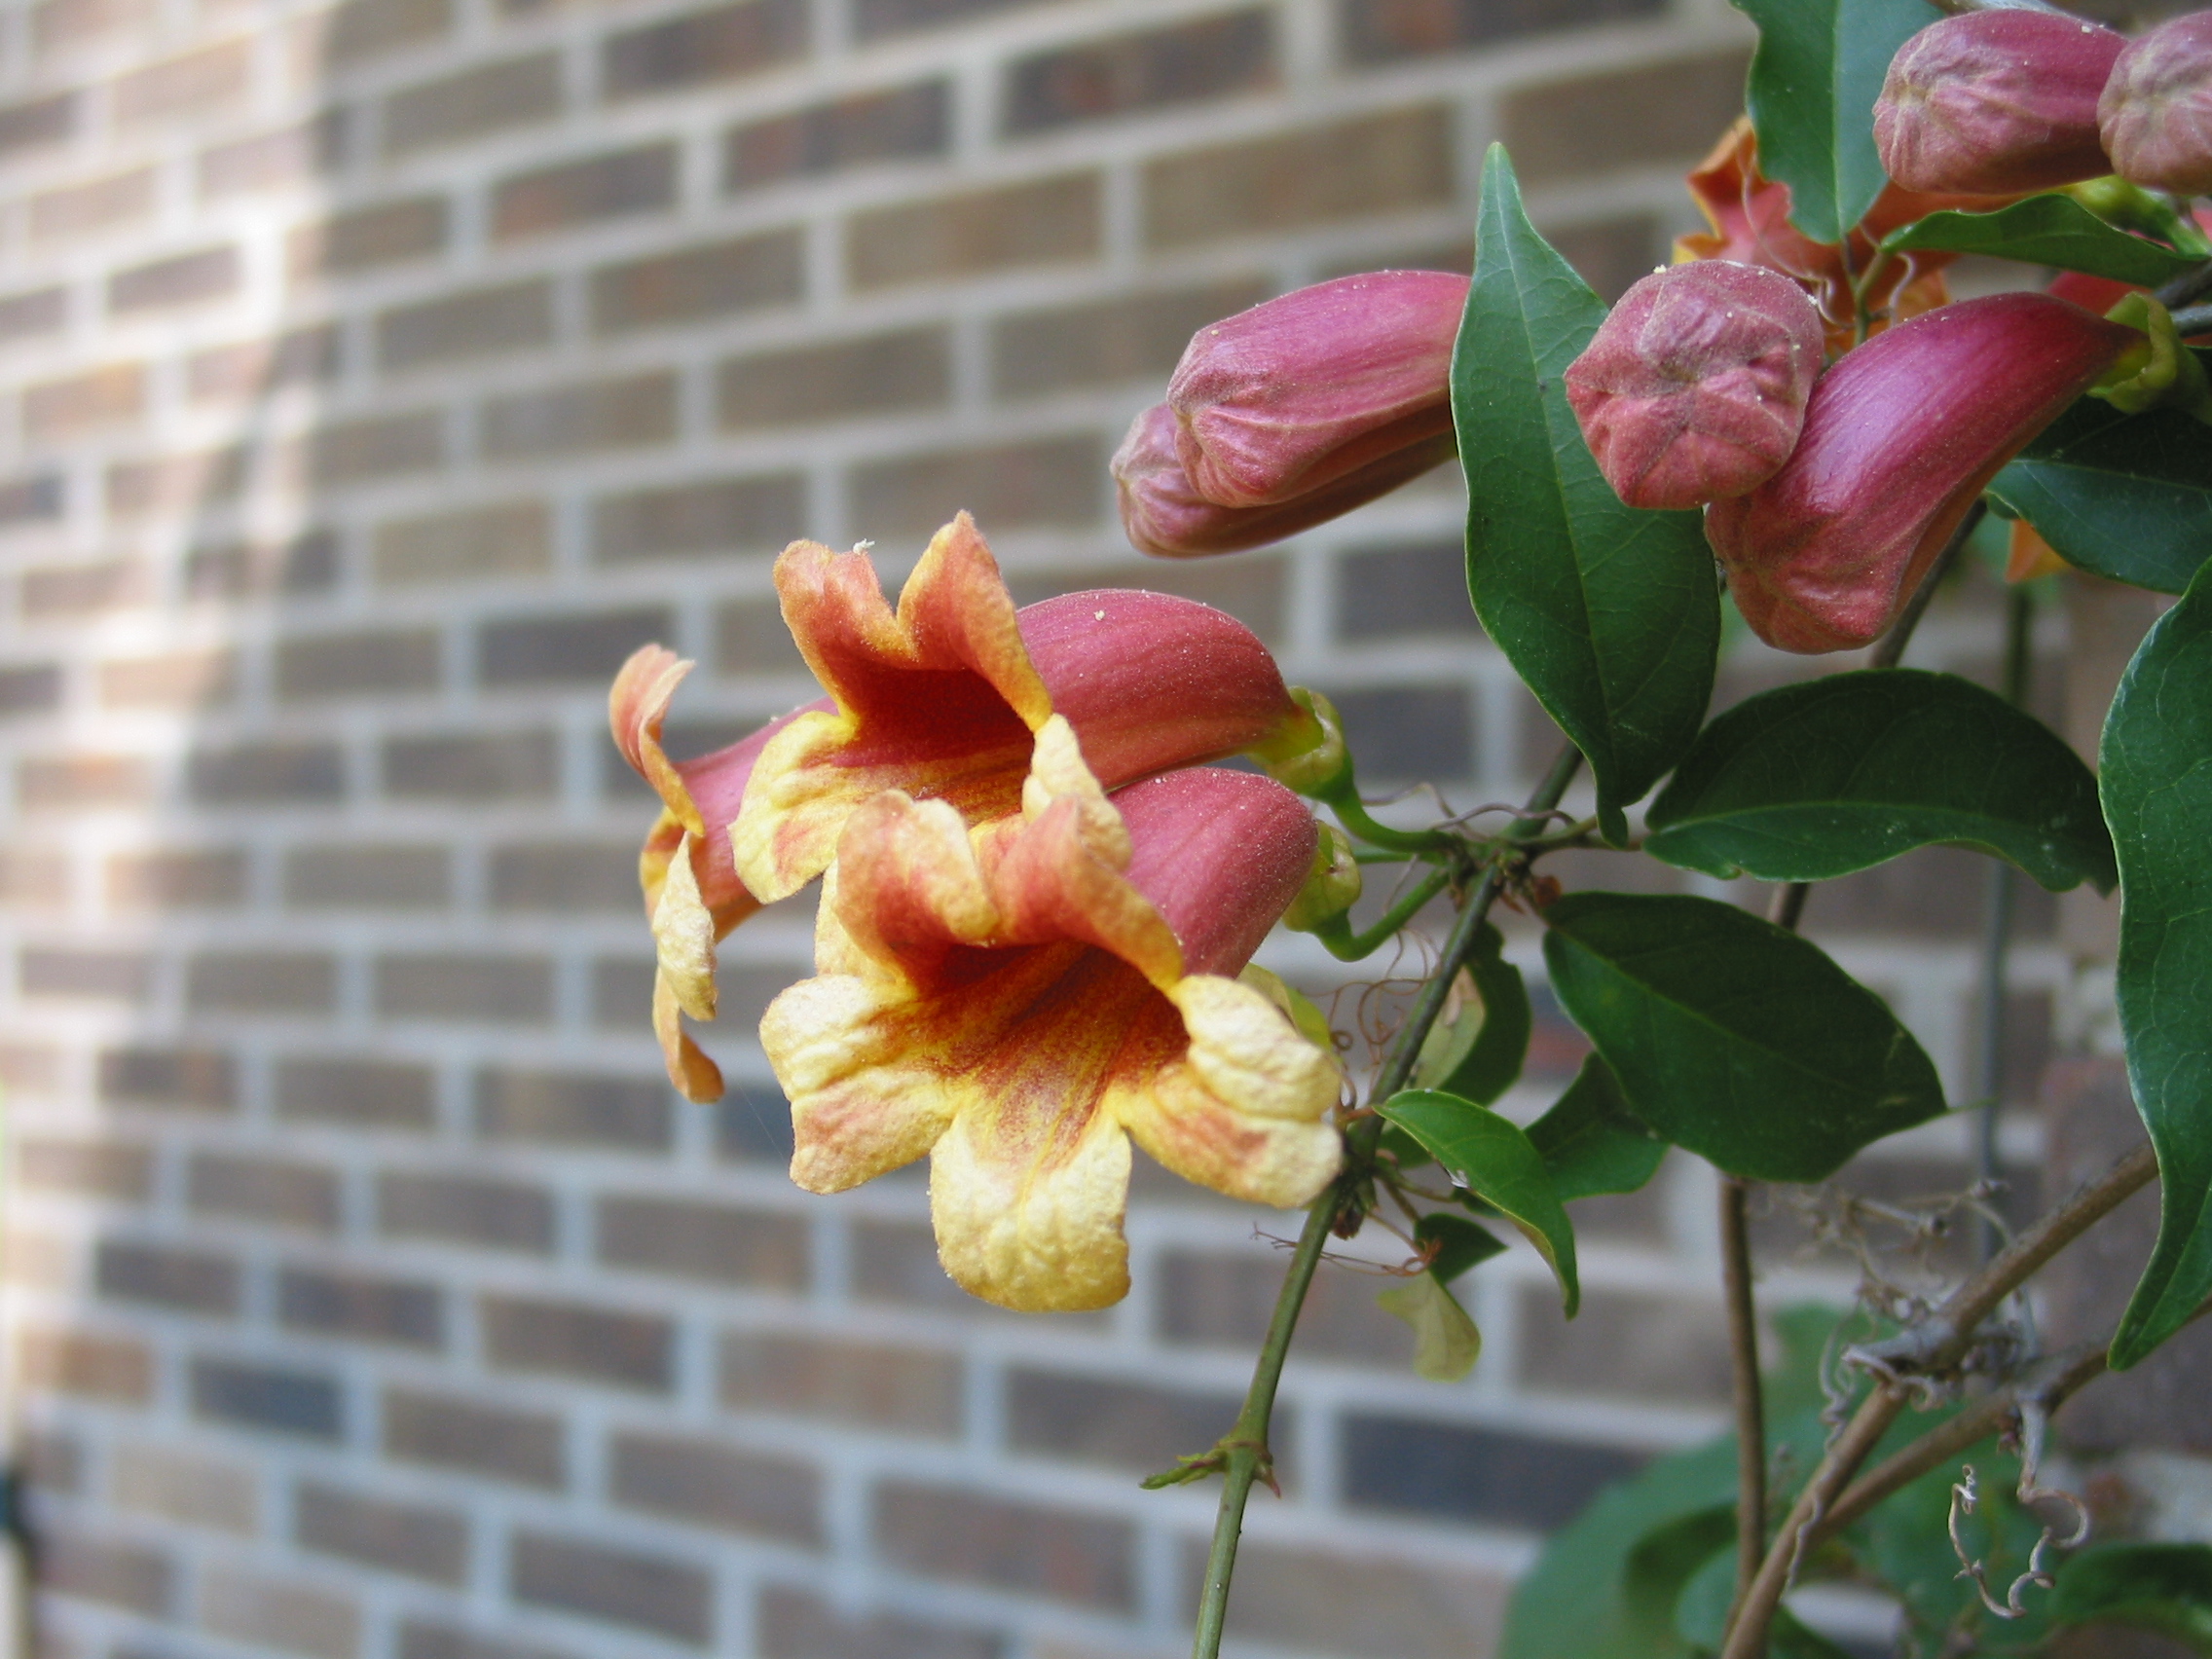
(371, 378)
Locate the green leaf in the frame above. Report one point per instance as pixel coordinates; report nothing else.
(2155, 772)
(2126, 496)
(2162, 1587)
(1701, 1610)
(1446, 1341)
(1495, 1160)
(1608, 614)
(1476, 1049)
(1814, 781)
(1813, 80)
(1459, 1243)
(2046, 230)
(1733, 1038)
(1590, 1142)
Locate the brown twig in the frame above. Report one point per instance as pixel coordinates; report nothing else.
(1750, 1400)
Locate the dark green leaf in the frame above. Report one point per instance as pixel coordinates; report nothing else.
(2162, 1587)
(1590, 1140)
(1813, 80)
(1459, 1243)
(1818, 780)
(1476, 1049)
(2046, 230)
(1610, 614)
(1733, 1038)
(1495, 1160)
(2128, 496)
(2155, 772)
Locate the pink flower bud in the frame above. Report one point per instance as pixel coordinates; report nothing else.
(1279, 401)
(2157, 109)
(1996, 102)
(1164, 516)
(1695, 386)
(1899, 438)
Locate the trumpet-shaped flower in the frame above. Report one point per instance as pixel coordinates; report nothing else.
(939, 698)
(1022, 999)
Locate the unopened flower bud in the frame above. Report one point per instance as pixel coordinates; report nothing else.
(1287, 397)
(2155, 114)
(1694, 387)
(1996, 102)
(1899, 438)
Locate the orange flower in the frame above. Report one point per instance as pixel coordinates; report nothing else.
(1019, 1000)
(940, 698)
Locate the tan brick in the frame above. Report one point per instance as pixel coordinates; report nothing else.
(546, 650)
(417, 1539)
(1228, 1299)
(66, 783)
(182, 879)
(279, 1192)
(504, 538)
(356, 1093)
(259, 981)
(458, 986)
(357, 30)
(57, 24)
(390, 233)
(1335, 1601)
(791, 1624)
(280, 1613)
(106, 976)
(898, 123)
(123, 1170)
(174, 679)
(880, 1385)
(186, 1487)
(32, 498)
(716, 1242)
(303, 564)
(492, 97)
(578, 1339)
(1186, 63)
(949, 1533)
(187, 482)
(1642, 116)
(618, 412)
(368, 877)
(462, 1210)
(288, 157)
(879, 374)
(520, 765)
(1130, 1426)
(1107, 342)
(42, 1261)
(98, 204)
(34, 879)
(1609, 254)
(458, 328)
(374, 447)
(361, 662)
(619, 184)
(449, 1431)
(1376, 164)
(31, 1068)
(557, 876)
(180, 279)
(1058, 482)
(572, 1109)
(709, 1484)
(194, 1079)
(212, 77)
(1046, 221)
(721, 43)
(90, 1567)
(256, 368)
(105, 396)
(694, 283)
(751, 638)
(714, 516)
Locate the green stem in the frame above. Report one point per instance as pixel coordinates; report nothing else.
(1343, 799)
(1337, 938)
(1246, 1444)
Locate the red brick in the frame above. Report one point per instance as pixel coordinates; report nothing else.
(875, 18)
(709, 517)
(1058, 482)
(620, 412)
(1385, 31)
(123, 1170)
(98, 204)
(577, 1339)
(449, 1431)
(181, 279)
(685, 1478)
(83, 402)
(555, 876)
(265, 774)
(1628, 118)
(420, 1638)
(34, 879)
(520, 765)
(366, 1308)
(949, 1533)
(898, 123)
(213, 77)
(691, 284)
(210, 878)
(1046, 221)
(1376, 164)
(279, 1192)
(55, 1360)
(615, 185)
(1186, 62)
(390, 233)
(791, 1624)
(670, 1597)
(1108, 341)
(722, 43)
(492, 97)
(174, 679)
(66, 783)
(31, 688)
(1254, 588)
(878, 1385)
(31, 499)
(458, 328)
(751, 638)
(879, 374)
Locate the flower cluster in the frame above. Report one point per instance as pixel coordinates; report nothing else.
(1038, 904)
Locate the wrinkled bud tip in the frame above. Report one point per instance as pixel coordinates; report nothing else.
(2156, 112)
(1694, 387)
(1332, 888)
(1996, 103)
(1309, 754)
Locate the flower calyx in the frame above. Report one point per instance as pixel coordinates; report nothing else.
(2158, 372)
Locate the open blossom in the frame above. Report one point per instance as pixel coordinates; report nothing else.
(1694, 387)
(940, 698)
(1018, 1000)
(1996, 103)
(1899, 438)
(2155, 111)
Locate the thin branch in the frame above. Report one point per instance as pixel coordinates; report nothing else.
(1933, 1347)
(2193, 319)
(1244, 1454)
(1750, 1394)
(2189, 286)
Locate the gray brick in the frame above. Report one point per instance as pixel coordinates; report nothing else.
(542, 650)
(1107, 342)
(715, 516)
(356, 1093)
(1055, 482)
(190, 83)
(1185, 62)
(31, 688)
(89, 1567)
(1641, 117)
(257, 981)
(622, 412)
(462, 327)
(176, 484)
(505, 538)
(459, 987)
(1635, 1346)
(370, 1309)
(98, 204)
(577, 1339)
(874, 1385)
(693, 284)
(1408, 733)
(1226, 1300)
(277, 1190)
(357, 30)
(879, 373)
(1405, 1465)
(1419, 588)
(120, 1170)
(186, 1487)
(365, 239)
(670, 1597)
(108, 975)
(1124, 1425)
(260, 569)
(361, 661)
(1332, 1601)
(721, 43)
(562, 877)
(290, 156)
(31, 499)
(170, 680)
(1044, 221)
(462, 1209)
(1385, 31)
(419, 1638)
(187, 1281)
(374, 879)
(51, 1460)
(1610, 254)
(521, 766)
(33, 313)
(617, 185)
(716, 1242)
(36, 123)
(449, 1431)
(376, 446)
(181, 279)
(791, 1624)
(713, 1485)
(751, 638)
(280, 1613)
(875, 18)
(201, 1080)
(492, 97)
(417, 1539)
(899, 123)
(266, 774)
(947, 1533)
(1376, 164)
(572, 1109)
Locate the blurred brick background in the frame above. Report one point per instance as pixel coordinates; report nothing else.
(374, 377)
